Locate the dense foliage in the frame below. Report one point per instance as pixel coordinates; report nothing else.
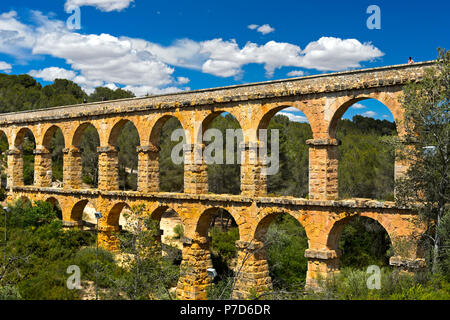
(38, 252)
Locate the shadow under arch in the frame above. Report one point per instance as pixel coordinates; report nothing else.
(115, 213)
(78, 210)
(206, 220)
(56, 206)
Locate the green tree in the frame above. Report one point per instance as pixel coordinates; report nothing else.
(427, 126)
(104, 94)
(148, 274)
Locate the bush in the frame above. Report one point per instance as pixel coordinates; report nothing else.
(286, 243)
(351, 284)
(9, 293)
(40, 251)
(224, 242)
(86, 259)
(179, 231)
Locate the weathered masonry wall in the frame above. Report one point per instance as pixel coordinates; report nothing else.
(323, 99)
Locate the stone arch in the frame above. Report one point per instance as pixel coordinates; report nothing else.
(341, 105)
(233, 185)
(265, 120)
(126, 155)
(206, 122)
(76, 214)
(113, 217)
(203, 221)
(158, 213)
(151, 173)
(266, 217)
(159, 124)
(301, 152)
(337, 227)
(384, 163)
(404, 246)
(76, 170)
(79, 131)
(116, 130)
(165, 215)
(20, 136)
(19, 162)
(205, 240)
(298, 264)
(48, 156)
(271, 109)
(48, 135)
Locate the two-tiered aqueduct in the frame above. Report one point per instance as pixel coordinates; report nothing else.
(322, 98)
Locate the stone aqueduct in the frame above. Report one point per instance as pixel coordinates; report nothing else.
(322, 98)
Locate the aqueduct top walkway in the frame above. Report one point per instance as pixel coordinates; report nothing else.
(322, 98)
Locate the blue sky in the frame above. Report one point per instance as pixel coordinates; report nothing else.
(167, 46)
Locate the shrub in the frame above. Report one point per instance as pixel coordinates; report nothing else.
(179, 231)
(9, 293)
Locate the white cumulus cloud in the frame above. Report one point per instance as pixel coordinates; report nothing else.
(183, 80)
(52, 73)
(296, 73)
(144, 66)
(105, 57)
(103, 5)
(370, 114)
(6, 67)
(358, 106)
(225, 58)
(264, 29)
(334, 54)
(15, 37)
(294, 117)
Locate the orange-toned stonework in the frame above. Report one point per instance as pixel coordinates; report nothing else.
(322, 98)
